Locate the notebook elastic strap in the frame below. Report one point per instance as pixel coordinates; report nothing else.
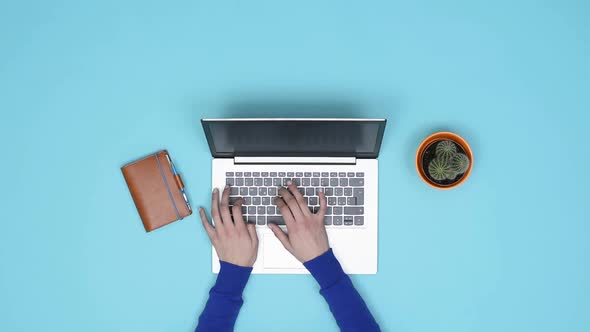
(167, 187)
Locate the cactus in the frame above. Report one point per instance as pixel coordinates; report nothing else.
(446, 149)
(440, 169)
(459, 163)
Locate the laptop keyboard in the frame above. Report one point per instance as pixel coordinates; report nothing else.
(344, 191)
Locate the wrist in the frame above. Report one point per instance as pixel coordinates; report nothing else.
(325, 269)
(232, 278)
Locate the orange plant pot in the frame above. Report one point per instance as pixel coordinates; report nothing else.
(437, 137)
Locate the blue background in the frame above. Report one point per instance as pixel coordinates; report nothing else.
(86, 86)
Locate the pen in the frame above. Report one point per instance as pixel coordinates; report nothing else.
(180, 185)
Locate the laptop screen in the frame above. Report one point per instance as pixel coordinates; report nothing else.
(359, 138)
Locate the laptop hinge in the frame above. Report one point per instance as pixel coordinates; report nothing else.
(295, 160)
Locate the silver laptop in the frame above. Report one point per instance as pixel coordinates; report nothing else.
(255, 156)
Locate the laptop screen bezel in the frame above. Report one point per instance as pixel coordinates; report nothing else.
(374, 154)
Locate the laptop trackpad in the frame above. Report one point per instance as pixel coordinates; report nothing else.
(276, 256)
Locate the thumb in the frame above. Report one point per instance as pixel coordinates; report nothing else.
(281, 235)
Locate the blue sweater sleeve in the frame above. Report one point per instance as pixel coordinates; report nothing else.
(347, 306)
(225, 299)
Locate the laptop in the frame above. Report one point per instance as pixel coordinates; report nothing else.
(255, 156)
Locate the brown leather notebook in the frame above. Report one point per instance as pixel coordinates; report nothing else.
(157, 190)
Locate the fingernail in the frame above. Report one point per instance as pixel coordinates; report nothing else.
(226, 186)
(289, 182)
(215, 190)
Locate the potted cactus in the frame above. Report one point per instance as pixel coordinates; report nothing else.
(444, 160)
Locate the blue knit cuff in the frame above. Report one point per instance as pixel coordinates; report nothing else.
(232, 278)
(325, 269)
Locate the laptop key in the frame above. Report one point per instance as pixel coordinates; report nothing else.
(276, 182)
(313, 200)
(338, 191)
(332, 200)
(337, 210)
(229, 173)
(307, 174)
(333, 174)
(341, 174)
(251, 210)
(325, 182)
(337, 220)
(272, 191)
(354, 210)
(270, 210)
(247, 200)
(255, 200)
(273, 174)
(251, 219)
(282, 174)
(252, 191)
(351, 201)
(348, 221)
(327, 220)
(255, 174)
(359, 194)
(260, 209)
(285, 180)
(249, 182)
(315, 182)
(265, 200)
(247, 174)
(244, 191)
(328, 210)
(258, 182)
(360, 174)
(239, 174)
(278, 220)
(268, 182)
(305, 182)
(298, 174)
(343, 182)
(315, 174)
(290, 174)
(329, 191)
(333, 182)
(348, 191)
(261, 220)
(359, 220)
(325, 174)
(350, 174)
(341, 200)
(244, 209)
(356, 182)
(234, 190)
(229, 181)
(309, 191)
(262, 191)
(239, 182)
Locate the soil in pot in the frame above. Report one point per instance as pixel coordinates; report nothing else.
(444, 162)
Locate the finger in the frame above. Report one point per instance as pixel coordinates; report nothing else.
(299, 199)
(208, 228)
(323, 205)
(285, 211)
(238, 217)
(284, 238)
(292, 203)
(217, 220)
(224, 208)
(252, 231)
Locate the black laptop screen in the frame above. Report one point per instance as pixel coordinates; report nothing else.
(302, 137)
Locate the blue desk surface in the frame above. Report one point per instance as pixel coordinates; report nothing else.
(87, 87)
